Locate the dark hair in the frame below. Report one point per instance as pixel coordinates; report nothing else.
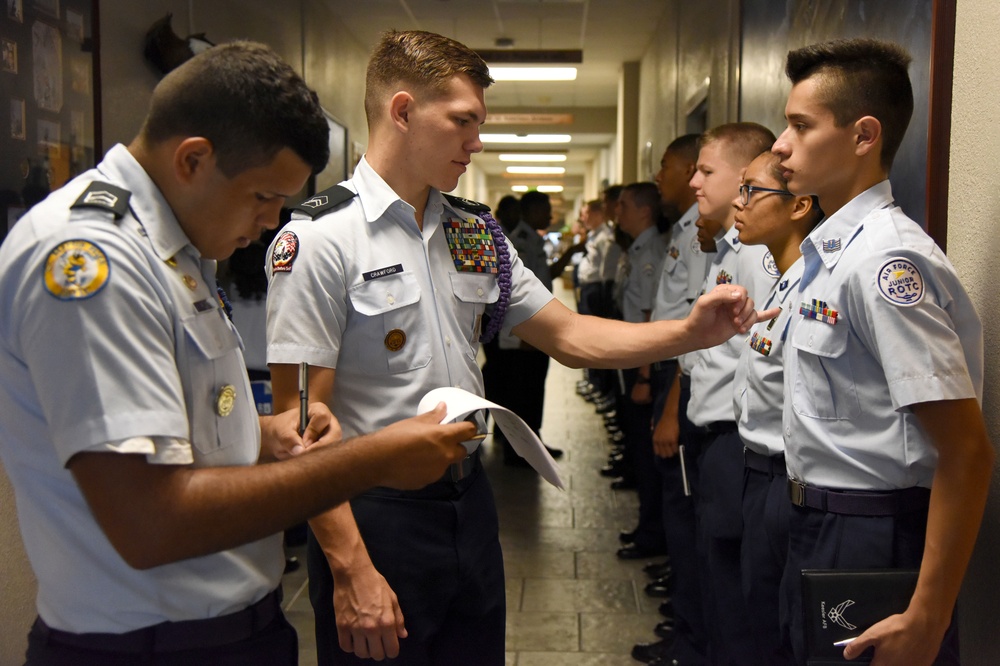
(508, 212)
(244, 99)
(613, 192)
(860, 77)
(422, 59)
(246, 264)
(645, 195)
(533, 201)
(774, 168)
(744, 141)
(686, 147)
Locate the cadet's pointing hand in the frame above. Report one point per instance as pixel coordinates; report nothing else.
(423, 447)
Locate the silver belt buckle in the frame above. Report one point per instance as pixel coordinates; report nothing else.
(797, 492)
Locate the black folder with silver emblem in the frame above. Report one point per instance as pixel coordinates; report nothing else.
(842, 604)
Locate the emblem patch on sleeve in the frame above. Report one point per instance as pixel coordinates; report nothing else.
(286, 248)
(76, 269)
(900, 282)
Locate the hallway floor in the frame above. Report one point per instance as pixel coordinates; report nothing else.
(570, 600)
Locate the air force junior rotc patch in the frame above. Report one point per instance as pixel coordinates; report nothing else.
(76, 269)
(900, 282)
(471, 245)
(770, 265)
(285, 250)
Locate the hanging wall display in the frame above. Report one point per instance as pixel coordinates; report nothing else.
(49, 75)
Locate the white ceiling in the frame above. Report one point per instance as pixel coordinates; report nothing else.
(609, 32)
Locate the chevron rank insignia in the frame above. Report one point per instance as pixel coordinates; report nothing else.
(326, 200)
(106, 197)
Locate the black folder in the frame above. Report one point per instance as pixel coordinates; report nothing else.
(841, 604)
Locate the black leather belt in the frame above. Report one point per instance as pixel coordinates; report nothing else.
(445, 488)
(771, 465)
(859, 502)
(174, 636)
(714, 428)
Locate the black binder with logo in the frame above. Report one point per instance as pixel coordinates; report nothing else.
(841, 604)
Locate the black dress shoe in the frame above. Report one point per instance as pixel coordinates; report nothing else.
(612, 470)
(292, 564)
(625, 483)
(658, 589)
(627, 537)
(664, 629)
(554, 452)
(666, 609)
(666, 660)
(647, 652)
(515, 460)
(657, 569)
(634, 551)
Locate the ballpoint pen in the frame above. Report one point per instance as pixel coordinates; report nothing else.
(303, 397)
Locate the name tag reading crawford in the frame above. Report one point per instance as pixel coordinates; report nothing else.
(471, 245)
(382, 272)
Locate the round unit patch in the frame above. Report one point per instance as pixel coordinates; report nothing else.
(900, 282)
(285, 250)
(770, 265)
(76, 269)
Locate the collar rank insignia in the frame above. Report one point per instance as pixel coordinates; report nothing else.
(723, 278)
(106, 197)
(818, 310)
(760, 344)
(471, 245)
(831, 246)
(326, 200)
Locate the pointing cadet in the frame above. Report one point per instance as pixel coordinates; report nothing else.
(126, 421)
(387, 295)
(767, 214)
(884, 358)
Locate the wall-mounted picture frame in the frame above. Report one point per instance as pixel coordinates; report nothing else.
(8, 51)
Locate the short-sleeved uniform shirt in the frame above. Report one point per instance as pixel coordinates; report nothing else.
(113, 340)
(601, 258)
(882, 323)
(368, 293)
(759, 385)
(684, 270)
(645, 260)
(713, 369)
(531, 249)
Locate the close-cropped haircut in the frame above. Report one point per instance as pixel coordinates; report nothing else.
(860, 77)
(645, 195)
(744, 141)
(532, 201)
(613, 192)
(425, 60)
(686, 147)
(595, 205)
(244, 99)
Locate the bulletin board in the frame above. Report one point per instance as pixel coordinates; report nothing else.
(49, 87)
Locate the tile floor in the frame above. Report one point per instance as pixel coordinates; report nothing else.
(570, 601)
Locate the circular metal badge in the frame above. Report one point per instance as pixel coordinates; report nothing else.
(395, 339)
(225, 400)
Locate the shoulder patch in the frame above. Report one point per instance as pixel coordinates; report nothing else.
(900, 282)
(326, 200)
(770, 265)
(473, 207)
(76, 269)
(104, 196)
(286, 248)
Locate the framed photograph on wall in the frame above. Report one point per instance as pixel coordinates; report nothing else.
(49, 65)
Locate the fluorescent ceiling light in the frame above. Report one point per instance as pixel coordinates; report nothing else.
(519, 188)
(550, 188)
(537, 170)
(525, 138)
(531, 157)
(533, 73)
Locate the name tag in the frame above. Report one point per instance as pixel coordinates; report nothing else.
(382, 272)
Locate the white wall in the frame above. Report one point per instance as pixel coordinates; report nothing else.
(974, 245)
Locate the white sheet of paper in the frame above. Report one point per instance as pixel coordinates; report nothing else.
(461, 403)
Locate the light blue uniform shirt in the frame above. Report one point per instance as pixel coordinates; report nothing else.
(136, 367)
(713, 369)
(645, 257)
(364, 271)
(684, 270)
(759, 386)
(905, 332)
(600, 261)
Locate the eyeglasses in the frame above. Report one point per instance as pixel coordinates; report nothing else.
(746, 191)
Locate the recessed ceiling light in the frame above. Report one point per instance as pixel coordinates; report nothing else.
(531, 157)
(538, 170)
(519, 188)
(525, 138)
(533, 73)
(550, 188)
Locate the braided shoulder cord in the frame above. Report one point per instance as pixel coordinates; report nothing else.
(503, 278)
